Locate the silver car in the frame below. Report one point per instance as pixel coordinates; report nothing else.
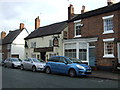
(12, 62)
(33, 64)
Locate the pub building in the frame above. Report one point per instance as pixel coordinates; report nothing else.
(46, 41)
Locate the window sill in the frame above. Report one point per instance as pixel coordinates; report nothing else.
(84, 61)
(108, 32)
(109, 56)
(77, 36)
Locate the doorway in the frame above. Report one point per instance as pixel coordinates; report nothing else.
(43, 55)
(119, 53)
(92, 56)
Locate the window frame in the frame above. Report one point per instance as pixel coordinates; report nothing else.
(108, 41)
(33, 44)
(83, 52)
(104, 25)
(77, 23)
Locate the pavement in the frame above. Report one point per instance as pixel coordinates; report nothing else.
(106, 74)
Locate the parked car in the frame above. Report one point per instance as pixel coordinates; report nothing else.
(12, 62)
(66, 65)
(33, 64)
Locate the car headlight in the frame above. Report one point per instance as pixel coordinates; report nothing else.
(81, 67)
(40, 66)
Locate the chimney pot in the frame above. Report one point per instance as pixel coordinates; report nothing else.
(21, 26)
(83, 9)
(37, 23)
(3, 35)
(110, 2)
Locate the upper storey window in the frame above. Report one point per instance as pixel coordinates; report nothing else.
(77, 28)
(108, 24)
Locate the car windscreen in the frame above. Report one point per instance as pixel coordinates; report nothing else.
(35, 60)
(75, 60)
(15, 59)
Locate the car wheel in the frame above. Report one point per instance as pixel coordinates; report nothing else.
(22, 67)
(47, 70)
(33, 68)
(72, 73)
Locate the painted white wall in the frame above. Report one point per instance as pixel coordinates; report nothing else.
(42, 42)
(17, 47)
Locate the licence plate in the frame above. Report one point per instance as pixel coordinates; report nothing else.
(88, 71)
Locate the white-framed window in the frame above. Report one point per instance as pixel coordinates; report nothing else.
(77, 28)
(33, 55)
(108, 24)
(70, 53)
(70, 50)
(108, 48)
(83, 54)
(33, 44)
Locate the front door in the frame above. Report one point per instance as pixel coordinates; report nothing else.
(119, 53)
(43, 55)
(92, 56)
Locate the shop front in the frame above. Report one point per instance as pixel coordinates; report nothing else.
(83, 49)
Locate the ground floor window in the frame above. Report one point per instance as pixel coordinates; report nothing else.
(109, 48)
(70, 53)
(33, 55)
(83, 54)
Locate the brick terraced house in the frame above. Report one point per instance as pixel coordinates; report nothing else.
(94, 36)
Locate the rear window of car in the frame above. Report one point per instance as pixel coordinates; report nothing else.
(54, 59)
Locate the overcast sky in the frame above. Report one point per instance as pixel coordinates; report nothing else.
(14, 12)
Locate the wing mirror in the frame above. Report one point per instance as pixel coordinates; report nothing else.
(66, 63)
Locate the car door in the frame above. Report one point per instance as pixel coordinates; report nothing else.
(8, 62)
(30, 63)
(25, 63)
(54, 64)
(63, 66)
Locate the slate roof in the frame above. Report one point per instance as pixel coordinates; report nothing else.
(11, 36)
(96, 12)
(52, 29)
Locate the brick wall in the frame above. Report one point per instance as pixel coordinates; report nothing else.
(93, 26)
(4, 51)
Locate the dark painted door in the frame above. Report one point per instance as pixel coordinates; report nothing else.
(43, 55)
(92, 56)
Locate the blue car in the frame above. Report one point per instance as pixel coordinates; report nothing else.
(65, 65)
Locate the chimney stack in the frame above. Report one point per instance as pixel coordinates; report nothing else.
(21, 26)
(37, 23)
(110, 2)
(3, 35)
(83, 9)
(70, 11)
